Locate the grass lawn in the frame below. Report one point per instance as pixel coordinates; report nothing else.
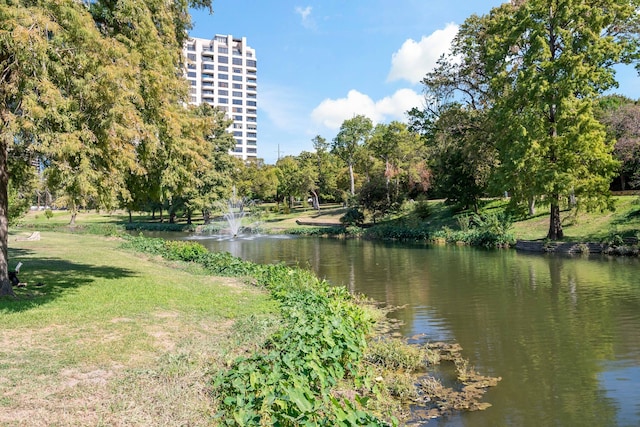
(587, 226)
(113, 338)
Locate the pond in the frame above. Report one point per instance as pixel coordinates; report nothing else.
(562, 332)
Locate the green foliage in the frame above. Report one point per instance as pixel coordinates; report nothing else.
(422, 209)
(488, 230)
(320, 341)
(394, 354)
(158, 226)
(392, 231)
(184, 251)
(353, 216)
(48, 213)
(18, 205)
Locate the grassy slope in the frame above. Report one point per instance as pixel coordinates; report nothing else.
(586, 226)
(114, 336)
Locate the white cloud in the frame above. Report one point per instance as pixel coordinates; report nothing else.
(332, 112)
(305, 14)
(415, 59)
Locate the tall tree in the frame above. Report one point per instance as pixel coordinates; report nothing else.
(65, 97)
(454, 122)
(295, 178)
(352, 134)
(547, 61)
(81, 93)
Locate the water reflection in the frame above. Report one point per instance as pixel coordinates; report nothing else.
(563, 333)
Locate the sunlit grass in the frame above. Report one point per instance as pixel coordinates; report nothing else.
(113, 335)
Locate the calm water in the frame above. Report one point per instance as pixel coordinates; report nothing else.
(563, 333)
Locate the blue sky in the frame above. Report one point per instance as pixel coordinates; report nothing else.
(320, 62)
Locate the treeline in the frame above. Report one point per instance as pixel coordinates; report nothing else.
(516, 108)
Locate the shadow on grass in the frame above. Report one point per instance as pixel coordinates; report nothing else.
(50, 278)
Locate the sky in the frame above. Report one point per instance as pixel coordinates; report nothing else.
(321, 62)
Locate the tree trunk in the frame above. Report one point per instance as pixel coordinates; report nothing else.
(74, 213)
(532, 206)
(352, 180)
(316, 200)
(5, 284)
(555, 225)
(130, 218)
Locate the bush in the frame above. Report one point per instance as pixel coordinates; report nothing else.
(353, 216)
(184, 251)
(422, 209)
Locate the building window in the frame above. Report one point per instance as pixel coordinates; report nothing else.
(191, 66)
(237, 109)
(251, 79)
(192, 74)
(207, 92)
(223, 108)
(207, 75)
(251, 111)
(251, 135)
(237, 102)
(223, 59)
(237, 150)
(251, 63)
(223, 49)
(223, 101)
(251, 142)
(207, 67)
(251, 119)
(252, 103)
(223, 84)
(194, 99)
(223, 68)
(193, 90)
(191, 47)
(238, 118)
(193, 83)
(237, 86)
(237, 125)
(223, 76)
(191, 56)
(237, 70)
(237, 78)
(251, 150)
(237, 133)
(237, 61)
(237, 94)
(223, 92)
(252, 127)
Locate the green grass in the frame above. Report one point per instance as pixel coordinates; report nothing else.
(114, 335)
(587, 226)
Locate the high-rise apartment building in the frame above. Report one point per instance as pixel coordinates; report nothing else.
(223, 72)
